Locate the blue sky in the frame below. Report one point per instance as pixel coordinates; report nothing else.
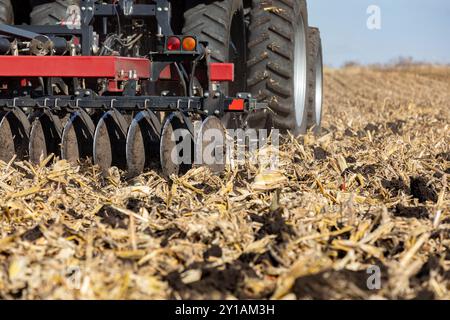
(409, 28)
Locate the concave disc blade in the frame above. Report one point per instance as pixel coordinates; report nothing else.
(143, 142)
(110, 141)
(210, 144)
(176, 148)
(78, 137)
(45, 136)
(14, 135)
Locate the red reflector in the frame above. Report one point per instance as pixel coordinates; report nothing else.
(173, 44)
(166, 73)
(236, 105)
(221, 71)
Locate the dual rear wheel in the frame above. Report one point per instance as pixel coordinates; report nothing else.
(274, 51)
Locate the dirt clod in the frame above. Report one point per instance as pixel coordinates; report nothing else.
(422, 190)
(320, 153)
(396, 126)
(444, 156)
(217, 282)
(32, 234)
(395, 185)
(330, 284)
(213, 251)
(112, 217)
(411, 212)
(372, 127)
(273, 223)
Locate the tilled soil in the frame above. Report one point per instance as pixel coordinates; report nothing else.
(362, 211)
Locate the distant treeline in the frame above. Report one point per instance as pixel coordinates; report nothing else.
(394, 63)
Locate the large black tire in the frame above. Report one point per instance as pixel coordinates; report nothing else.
(51, 13)
(315, 78)
(278, 63)
(6, 12)
(221, 24)
(212, 22)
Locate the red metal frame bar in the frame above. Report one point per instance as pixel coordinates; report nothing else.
(118, 68)
(221, 72)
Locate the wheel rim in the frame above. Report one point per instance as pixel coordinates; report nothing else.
(319, 89)
(300, 70)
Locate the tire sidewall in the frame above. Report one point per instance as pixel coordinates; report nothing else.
(300, 10)
(318, 59)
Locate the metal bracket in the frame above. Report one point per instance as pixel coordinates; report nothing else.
(87, 11)
(163, 10)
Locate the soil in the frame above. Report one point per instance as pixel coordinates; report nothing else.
(371, 191)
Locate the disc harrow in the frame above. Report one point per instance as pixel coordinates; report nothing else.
(130, 137)
(14, 134)
(77, 141)
(119, 90)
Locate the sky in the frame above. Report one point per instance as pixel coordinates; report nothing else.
(407, 28)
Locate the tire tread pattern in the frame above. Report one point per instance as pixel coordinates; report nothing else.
(315, 48)
(211, 23)
(6, 12)
(270, 59)
(51, 13)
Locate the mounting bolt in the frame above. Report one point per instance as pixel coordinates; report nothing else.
(206, 95)
(217, 95)
(166, 9)
(249, 95)
(217, 112)
(87, 92)
(83, 8)
(159, 9)
(90, 8)
(77, 93)
(239, 95)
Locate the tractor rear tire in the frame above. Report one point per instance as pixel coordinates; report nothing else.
(51, 13)
(221, 24)
(6, 12)
(315, 80)
(212, 22)
(278, 63)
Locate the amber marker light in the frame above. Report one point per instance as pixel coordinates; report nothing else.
(189, 44)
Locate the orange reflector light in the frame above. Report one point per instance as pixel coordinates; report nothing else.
(189, 44)
(236, 105)
(173, 44)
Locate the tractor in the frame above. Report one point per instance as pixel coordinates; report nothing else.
(112, 81)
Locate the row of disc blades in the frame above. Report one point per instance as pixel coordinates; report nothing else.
(129, 142)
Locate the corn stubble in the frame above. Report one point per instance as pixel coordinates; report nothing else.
(372, 190)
